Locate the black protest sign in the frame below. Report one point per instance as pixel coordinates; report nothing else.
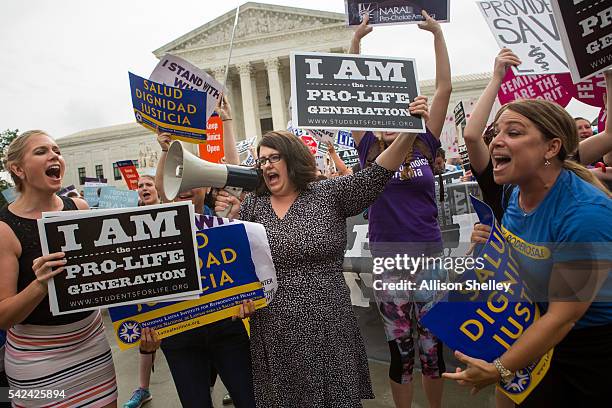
(350, 157)
(339, 91)
(123, 256)
(395, 11)
(460, 124)
(586, 33)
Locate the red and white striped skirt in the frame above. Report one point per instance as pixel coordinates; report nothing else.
(72, 359)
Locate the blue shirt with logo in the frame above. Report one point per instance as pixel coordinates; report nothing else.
(572, 223)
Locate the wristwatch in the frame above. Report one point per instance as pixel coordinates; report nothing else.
(505, 374)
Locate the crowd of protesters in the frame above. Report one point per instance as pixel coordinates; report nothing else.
(537, 167)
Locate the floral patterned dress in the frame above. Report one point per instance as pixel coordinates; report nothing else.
(306, 347)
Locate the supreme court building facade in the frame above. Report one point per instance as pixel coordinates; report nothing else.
(258, 84)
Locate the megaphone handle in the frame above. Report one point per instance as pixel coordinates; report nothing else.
(235, 191)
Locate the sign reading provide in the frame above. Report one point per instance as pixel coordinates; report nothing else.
(529, 29)
(396, 11)
(338, 91)
(586, 30)
(125, 256)
(163, 108)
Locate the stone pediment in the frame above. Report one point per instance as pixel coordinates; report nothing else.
(255, 20)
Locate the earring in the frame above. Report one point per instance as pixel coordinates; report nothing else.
(547, 162)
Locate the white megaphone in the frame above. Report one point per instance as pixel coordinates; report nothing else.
(184, 171)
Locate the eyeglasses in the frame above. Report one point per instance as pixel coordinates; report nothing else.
(274, 158)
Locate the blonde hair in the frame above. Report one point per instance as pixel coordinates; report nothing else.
(554, 122)
(15, 153)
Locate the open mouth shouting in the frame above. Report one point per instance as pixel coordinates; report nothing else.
(54, 172)
(271, 177)
(500, 161)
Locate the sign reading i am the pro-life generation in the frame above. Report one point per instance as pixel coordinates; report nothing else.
(387, 12)
(340, 91)
(163, 108)
(586, 32)
(529, 30)
(122, 256)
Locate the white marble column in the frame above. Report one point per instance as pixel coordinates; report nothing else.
(277, 99)
(248, 99)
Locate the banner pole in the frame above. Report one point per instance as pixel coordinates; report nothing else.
(229, 57)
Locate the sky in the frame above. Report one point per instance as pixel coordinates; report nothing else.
(65, 63)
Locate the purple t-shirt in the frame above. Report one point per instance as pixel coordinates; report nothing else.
(406, 211)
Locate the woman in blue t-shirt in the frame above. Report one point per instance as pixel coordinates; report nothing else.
(560, 226)
(403, 220)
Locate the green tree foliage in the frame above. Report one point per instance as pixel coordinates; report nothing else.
(6, 137)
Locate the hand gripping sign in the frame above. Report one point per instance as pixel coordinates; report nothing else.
(485, 323)
(235, 265)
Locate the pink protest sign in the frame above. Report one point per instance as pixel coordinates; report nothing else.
(601, 120)
(557, 88)
(589, 91)
(549, 87)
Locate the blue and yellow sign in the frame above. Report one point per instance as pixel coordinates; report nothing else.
(228, 277)
(484, 324)
(181, 112)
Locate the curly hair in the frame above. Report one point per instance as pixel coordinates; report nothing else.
(301, 166)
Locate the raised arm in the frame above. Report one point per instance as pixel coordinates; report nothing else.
(361, 31)
(443, 86)
(478, 151)
(224, 110)
(600, 145)
(340, 166)
(393, 156)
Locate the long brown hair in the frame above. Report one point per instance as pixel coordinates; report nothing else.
(301, 166)
(554, 122)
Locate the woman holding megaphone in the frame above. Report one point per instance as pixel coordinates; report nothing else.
(306, 347)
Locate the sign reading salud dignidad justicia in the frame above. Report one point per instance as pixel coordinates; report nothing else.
(163, 108)
(485, 323)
